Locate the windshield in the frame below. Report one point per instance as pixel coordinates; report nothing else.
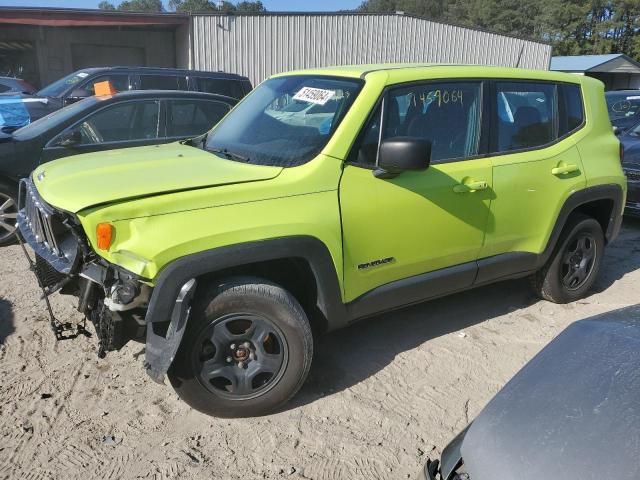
(54, 118)
(59, 87)
(622, 105)
(284, 122)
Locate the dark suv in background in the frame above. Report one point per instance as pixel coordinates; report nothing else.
(80, 84)
(624, 108)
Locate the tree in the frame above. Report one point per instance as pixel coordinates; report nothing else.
(152, 6)
(210, 6)
(104, 5)
(574, 27)
(192, 6)
(250, 7)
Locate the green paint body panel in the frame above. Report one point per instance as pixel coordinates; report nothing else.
(170, 201)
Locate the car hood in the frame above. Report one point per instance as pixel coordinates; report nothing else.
(571, 412)
(83, 181)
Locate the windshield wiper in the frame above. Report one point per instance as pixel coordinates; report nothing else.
(231, 155)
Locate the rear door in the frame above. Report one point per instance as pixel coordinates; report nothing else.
(127, 124)
(536, 164)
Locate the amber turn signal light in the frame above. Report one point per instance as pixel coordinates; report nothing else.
(104, 232)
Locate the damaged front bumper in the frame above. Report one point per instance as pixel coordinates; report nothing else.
(114, 300)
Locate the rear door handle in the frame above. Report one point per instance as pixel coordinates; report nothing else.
(470, 187)
(564, 169)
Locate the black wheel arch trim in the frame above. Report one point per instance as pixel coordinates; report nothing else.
(580, 198)
(312, 250)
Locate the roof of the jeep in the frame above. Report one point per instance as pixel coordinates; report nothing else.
(399, 72)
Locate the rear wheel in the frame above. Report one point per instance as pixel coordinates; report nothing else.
(246, 352)
(574, 265)
(8, 214)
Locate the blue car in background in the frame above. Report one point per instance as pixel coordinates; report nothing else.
(630, 143)
(624, 108)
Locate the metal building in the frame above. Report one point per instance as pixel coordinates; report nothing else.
(42, 45)
(260, 45)
(616, 70)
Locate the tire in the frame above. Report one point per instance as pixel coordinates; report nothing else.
(246, 351)
(574, 265)
(8, 211)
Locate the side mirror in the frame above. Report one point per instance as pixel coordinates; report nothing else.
(401, 154)
(76, 95)
(69, 138)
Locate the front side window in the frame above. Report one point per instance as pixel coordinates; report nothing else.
(446, 114)
(118, 123)
(286, 121)
(189, 118)
(526, 113)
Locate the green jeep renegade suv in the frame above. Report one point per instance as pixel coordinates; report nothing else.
(324, 197)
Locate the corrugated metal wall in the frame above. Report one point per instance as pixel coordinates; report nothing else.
(260, 45)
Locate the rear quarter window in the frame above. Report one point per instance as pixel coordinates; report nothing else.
(571, 109)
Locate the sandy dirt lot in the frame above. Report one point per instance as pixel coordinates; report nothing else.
(382, 396)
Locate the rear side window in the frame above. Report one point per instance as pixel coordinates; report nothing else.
(571, 112)
(189, 118)
(221, 86)
(526, 115)
(163, 82)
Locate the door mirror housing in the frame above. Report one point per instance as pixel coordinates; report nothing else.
(76, 95)
(402, 154)
(69, 138)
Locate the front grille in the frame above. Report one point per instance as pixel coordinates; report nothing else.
(43, 229)
(632, 175)
(38, 215)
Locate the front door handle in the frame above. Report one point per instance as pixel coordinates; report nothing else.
(564, 169)
(471, 186)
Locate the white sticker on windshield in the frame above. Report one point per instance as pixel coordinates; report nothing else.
(634, 97)
(83, 74)
(314, 95)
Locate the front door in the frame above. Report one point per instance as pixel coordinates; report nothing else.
(417, 222)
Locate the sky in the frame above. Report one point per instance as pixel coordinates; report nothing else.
(272, 5)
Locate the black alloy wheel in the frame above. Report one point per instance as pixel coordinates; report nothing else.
(240, 356)
(578, 260)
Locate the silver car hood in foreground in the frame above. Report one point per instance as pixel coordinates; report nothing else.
(573, 412)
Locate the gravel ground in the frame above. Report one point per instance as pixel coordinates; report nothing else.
(382, 397)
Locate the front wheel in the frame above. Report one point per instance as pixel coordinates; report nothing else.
(574, 265)
(247, 349)
(8, 214)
